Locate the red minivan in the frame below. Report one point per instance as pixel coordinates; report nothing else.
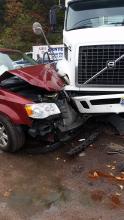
(32, 101)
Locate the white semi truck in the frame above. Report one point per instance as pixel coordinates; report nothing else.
(93, 38)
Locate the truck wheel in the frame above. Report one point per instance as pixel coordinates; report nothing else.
(11, 136)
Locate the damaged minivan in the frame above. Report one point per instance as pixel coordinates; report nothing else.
(32, 102)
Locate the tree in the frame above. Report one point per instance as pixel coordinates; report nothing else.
(2, 10)
(12, 10)
(18, 17)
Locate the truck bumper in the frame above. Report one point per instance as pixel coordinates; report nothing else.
(100, 103)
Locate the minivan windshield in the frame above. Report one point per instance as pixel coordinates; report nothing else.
(90, 15)
(12, 59)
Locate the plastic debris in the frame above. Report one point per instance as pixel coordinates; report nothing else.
(80, 140)
(83, 154)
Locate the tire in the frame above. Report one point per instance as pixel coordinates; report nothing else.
(11, 137)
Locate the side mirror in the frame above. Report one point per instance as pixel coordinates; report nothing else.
(37, 28)
(53, 20)
(53, 16)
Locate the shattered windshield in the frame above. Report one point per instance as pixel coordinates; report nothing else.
(10, 60)
(89, 15)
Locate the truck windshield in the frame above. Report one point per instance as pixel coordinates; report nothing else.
(90, 15)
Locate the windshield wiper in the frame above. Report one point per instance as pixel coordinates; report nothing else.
(80, 27)
(122, 23)
(87, 24)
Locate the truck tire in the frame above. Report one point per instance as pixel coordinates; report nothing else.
(11, 137)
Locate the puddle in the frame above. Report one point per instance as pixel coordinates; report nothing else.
(85, 199)
(57, 197)
(44, 199)
(19, 199)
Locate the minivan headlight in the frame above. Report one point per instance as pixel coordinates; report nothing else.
(41, 110)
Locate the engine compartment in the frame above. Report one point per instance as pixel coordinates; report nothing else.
(23, 88)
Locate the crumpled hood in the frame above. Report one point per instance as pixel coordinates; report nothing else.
(43, 76)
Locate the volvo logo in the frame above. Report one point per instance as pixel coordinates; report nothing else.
(111, 64)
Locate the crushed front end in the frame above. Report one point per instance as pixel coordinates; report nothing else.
(54, 118)
(51, 113)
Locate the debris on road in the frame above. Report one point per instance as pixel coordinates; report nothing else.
(83, 154)
(115, 149)
(88, 141)
(80, 140)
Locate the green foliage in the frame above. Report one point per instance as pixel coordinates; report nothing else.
(17, 17)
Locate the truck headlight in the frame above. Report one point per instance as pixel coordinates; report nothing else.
(41, 110)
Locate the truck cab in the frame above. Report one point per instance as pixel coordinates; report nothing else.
(93, 38)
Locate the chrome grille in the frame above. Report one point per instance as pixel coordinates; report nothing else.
(92, 59)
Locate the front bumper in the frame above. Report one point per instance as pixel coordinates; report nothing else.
(43, 127)
(100, 103)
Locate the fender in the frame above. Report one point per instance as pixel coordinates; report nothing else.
(20, 118)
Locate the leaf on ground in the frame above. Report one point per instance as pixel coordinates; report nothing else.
(7, 194)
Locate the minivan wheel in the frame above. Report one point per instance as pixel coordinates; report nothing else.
(11, 137)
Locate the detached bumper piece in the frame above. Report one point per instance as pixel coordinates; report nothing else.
(90, 140)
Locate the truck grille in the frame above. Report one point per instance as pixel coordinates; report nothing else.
(93, 59)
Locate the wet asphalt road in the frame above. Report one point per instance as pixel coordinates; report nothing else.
(57, 187)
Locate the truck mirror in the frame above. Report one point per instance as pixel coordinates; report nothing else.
(37, 28)
(52, 18)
